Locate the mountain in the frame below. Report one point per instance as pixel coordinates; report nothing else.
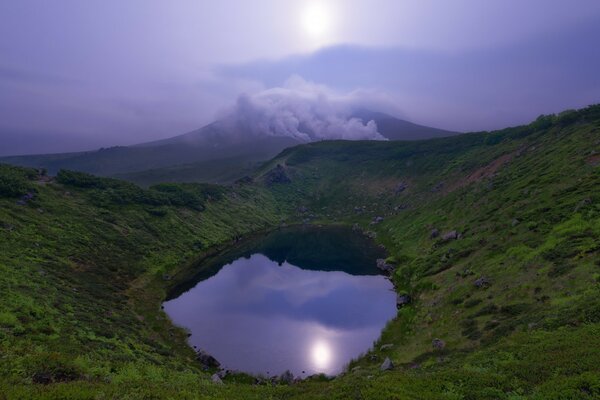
(216, 153)
(493, 236)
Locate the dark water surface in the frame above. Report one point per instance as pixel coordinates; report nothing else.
(306, 300)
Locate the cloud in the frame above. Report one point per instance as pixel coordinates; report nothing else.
(305, 111)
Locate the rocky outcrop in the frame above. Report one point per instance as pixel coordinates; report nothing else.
(207, 360)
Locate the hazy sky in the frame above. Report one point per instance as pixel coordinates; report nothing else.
(80, 74)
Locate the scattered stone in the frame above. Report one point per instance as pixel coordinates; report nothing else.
(207, 360)
(356, 227)
(438, 344)
(355, 369)
(287, 377)
(452, 235)
(216, 379)
(302, 210)
(166, 277)
(387, 364)
(515, 222)
(385, 347)
(384, 266)
(277, 175)
(482, 283)
(377, 220)
(401, 187)
(402, 300)
(401, 207)
(434, 233)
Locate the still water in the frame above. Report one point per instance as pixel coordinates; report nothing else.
(306, 300)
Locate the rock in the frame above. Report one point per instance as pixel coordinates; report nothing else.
(452, 235)
(277, 175)
(385, 347)
(401, 187)
(356, 227)
(216, 379)
(302, 210)
(384, 266)
(401, 207)
(438, 344)
(482, 283)
(387, 365)
(223, 373)
(437, 187)
(515, 222)
(402, 300)
(434, 233)
(377, 220)
(166, 277)
(207, 360)
(287, 377)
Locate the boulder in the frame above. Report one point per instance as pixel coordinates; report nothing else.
(377, 220)
(216, 379)
(387, 365)
(402, 300)
(207, 360)
(438, 344)
(434, 233)
(482, 282)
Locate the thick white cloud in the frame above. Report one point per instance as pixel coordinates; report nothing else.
(306, 112)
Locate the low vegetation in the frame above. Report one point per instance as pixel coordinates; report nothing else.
(495, 237)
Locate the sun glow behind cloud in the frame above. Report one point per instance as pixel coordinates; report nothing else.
(317, 20)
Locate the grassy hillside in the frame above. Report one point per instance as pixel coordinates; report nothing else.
(513, 296)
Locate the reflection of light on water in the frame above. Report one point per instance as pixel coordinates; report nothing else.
(321, 354)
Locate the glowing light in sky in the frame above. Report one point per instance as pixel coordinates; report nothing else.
(321, 354)
(317, 20)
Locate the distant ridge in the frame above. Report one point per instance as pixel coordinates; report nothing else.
(212, 153)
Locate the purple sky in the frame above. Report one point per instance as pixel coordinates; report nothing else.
(83, 74)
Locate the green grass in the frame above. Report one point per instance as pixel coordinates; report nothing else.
(85, 264)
